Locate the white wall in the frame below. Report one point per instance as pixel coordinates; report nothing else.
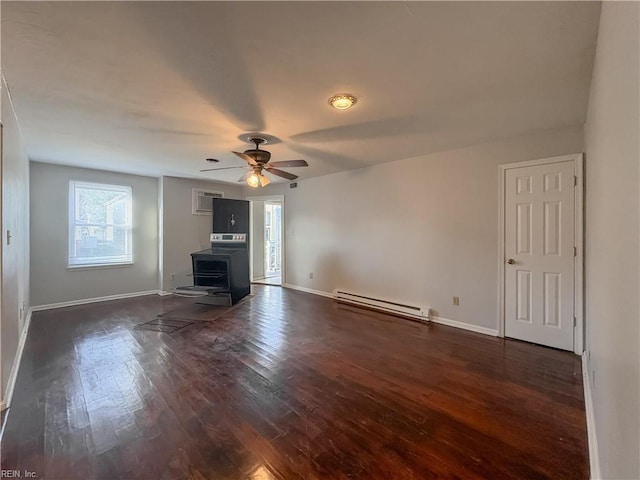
(257, 239)
(183, 232)
(417, 231)
(51, 280)
(612, 245)
(15, 256)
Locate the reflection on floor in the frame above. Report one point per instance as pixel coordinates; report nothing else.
(271, 280)
(287, 385)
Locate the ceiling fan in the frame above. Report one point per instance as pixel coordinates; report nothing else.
(260, 160)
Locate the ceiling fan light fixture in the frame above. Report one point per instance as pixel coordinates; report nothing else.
(253, 180)
(264, 181)
(342, 101)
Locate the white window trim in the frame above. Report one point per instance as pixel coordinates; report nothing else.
(98, 262)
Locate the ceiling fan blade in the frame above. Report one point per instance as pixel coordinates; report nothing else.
(246, 158)
(281, 173)
(264, 181)
(245, 176)
(223, 168)
(289, 163)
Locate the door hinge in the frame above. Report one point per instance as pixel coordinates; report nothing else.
(575, 180)
(575, 252)
(574, 322)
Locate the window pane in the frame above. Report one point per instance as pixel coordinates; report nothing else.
(100, 206)
(100, 241)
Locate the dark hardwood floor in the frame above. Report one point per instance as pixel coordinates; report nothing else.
(287, 385)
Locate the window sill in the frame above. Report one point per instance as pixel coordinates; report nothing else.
(98, 266)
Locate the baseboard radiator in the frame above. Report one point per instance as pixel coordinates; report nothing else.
(419, 313)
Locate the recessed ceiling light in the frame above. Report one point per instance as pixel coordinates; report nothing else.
(342, 101)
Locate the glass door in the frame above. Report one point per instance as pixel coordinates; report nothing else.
(272, 240)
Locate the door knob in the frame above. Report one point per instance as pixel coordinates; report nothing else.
(511, 261)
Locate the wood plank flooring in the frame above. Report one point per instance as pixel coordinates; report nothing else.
(287, 385)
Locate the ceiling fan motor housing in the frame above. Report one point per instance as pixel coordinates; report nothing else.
(260, 156)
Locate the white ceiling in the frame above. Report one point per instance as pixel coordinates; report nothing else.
(155, 87)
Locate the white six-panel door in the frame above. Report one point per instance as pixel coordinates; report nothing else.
(539, 254)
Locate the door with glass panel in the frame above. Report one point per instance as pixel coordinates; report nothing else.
(272, 240)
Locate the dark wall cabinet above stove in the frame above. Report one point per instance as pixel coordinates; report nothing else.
(230, 216)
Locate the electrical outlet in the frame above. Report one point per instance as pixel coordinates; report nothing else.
(456, 301)
(311, 275)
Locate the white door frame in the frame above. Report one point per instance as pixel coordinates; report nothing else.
(578, 299)
(267, 198)
(3, 396)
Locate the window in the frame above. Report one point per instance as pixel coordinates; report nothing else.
(99, 224)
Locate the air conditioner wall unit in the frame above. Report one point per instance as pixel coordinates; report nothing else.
(201, 200)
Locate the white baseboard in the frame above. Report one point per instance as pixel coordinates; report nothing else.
(13, 375)
(164, 293)
(444, 321)
(308, 290)
(594, 460)
(84, 301)
(465, 326)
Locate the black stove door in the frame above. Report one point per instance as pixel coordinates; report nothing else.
(230, 216)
